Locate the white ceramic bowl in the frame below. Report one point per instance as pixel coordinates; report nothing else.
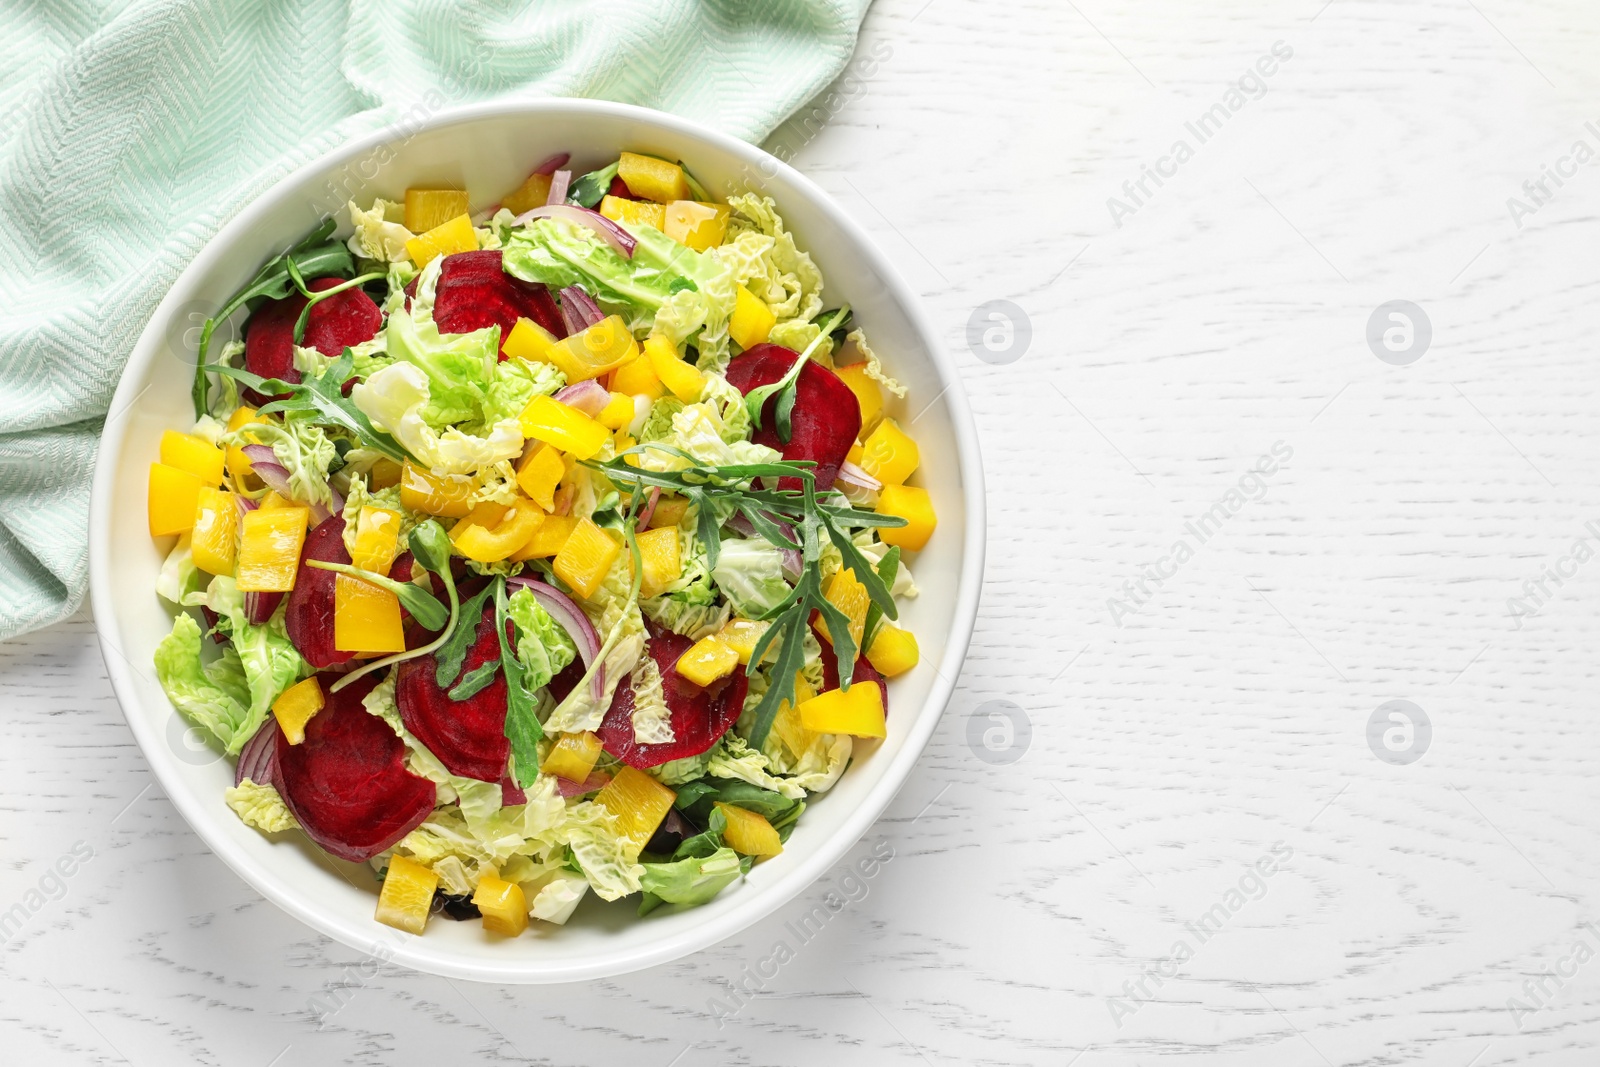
(488, 149)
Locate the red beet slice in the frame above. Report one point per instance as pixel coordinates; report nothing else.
(864, 672)
(309, 616)
(826, 416)
(473, 292)
(347, 782)
(699, 716)
(333, 325)
(468, 736)
(619, 189)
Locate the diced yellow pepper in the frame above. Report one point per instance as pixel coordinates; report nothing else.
(658, 554)
(707, 660)
(854, 455)
(532, 193)
(384, 474)
(695, 224)
(868, 395)
(194, 454)
(893, 650)
(573, 757)
(173, 496)
(429, 208)
(652, 178)
(846, 593)
(752, 319)
(567, 428)
(586, 557)
(748, 832)
(669, 511)
(244, 478)
(271, 499)
(888, 454)
(502, 904)
(538, 474)
(528, 340)
(448, 496)
(858, 712)
(491, 532)
(269, 549)
(590, 353)
(295, 706)
(365, 617)
(742, 635)
(786, 724)
(916, 507)
(684, 379)
(618, 412)
(406, 899)
(638, 378)
(634, 212)
(639, 802)
(216, 531)
(549, 539)
(446, 239)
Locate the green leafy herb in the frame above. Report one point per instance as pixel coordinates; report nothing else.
(313, 255)
(839, 330)
(475, 681)
(523, 728)
(888, 570)
(423, 605)
(588, 190)
(430, 546)
(453, 653)
(756, 399)
(324, 399)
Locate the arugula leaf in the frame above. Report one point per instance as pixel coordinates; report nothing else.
(888, 569)
(590, 189)
(475, 681)
(785, 387)
(453, 653)
(323, 398)
(523, 728)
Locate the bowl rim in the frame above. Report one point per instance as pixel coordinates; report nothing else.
(419, 953)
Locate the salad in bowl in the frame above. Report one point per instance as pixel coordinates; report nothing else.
(546, 550)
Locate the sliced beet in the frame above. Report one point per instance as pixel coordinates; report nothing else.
(468, 736)
(826, 416)
(699, 716)
(309, 616)
(474, 292)
(347, 783)
(619, 189)
(864, 672)
(333, 325)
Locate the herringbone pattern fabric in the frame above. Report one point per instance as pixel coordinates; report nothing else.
(130, 131)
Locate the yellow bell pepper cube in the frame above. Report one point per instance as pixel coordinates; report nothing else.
(365, 617)
(597, 350)
(502, 904)
(786, 724)
(916, 507)
(384, 474)
(742, 635)
(639, 802)
(858, 712)
(572, 757)
(652, 178)
(428, 208)
(638, 378)
(244, 477)
(888, 454)
(269, 549)
(456, 235)
(172, 498)
(586, 557)
(567, 428)
(492, 531)
(271, 499)
(532, 193)
(406, 899)
(528, 340)
(893, 650)
(684, 379)
(695, 224)
(752, 319)
(707, 660)
(670, 511)
(448, 496)
(538, 474)
(634, 212)
(748, 832)
(194, 454)
(618, 412)
(868, 395)
(295, 706)
(215, 540)
(846, 593)
(658, 555)
(548, 540)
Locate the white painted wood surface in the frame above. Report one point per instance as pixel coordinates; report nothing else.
(1224, 718)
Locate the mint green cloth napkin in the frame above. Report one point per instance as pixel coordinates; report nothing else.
(130, 131)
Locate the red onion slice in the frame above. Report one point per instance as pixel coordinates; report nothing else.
(264, 461)
(257, 759)
(613, 235)
(794, 563)
(549, 166)
(589, 397)
(558, 187)
(579, 310)
(649, 510)
(854, 475)
(572, 619)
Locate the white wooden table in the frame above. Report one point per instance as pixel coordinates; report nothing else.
(1101, 899)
